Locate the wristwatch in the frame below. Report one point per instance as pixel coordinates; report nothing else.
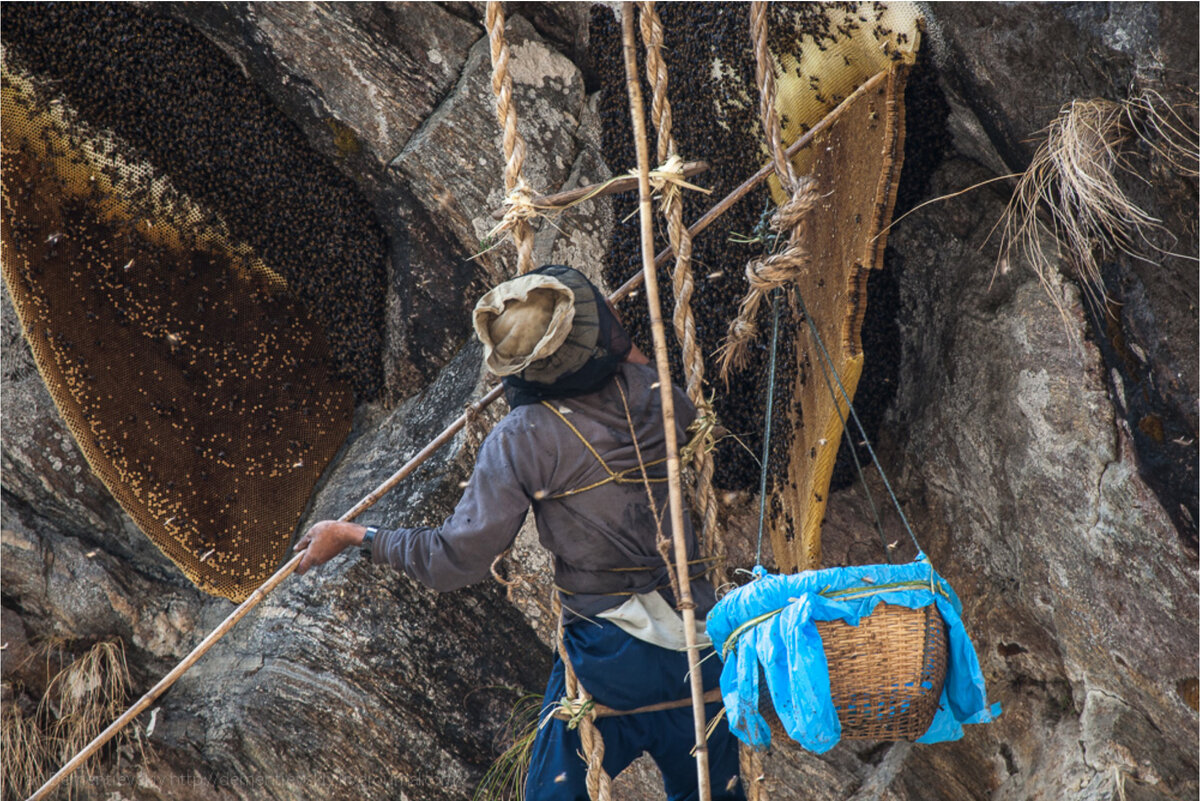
(369, 537)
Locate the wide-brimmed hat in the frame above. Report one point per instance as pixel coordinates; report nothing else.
(542, 325)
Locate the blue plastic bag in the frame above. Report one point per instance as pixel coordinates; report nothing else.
(771, 623)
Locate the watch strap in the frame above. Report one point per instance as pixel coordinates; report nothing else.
(369, 537)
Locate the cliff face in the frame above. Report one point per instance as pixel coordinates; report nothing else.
(1043, 446)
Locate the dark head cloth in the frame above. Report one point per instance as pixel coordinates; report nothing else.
(597, 342)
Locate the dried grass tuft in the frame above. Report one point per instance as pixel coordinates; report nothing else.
(505, 779)
(1070, 198)
(24, 747)
(80, 700)
(85, 697)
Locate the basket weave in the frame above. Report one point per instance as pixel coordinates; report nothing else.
(885, 674)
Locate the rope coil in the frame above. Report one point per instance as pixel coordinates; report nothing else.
(770, 272)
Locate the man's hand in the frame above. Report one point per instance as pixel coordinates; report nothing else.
(326, 540)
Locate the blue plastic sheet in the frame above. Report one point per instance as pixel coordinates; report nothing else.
(788, 647)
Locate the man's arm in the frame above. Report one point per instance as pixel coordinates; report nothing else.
(326, 540)
(461, 550)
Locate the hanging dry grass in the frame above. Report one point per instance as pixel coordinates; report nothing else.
(1165, 132)
(505, 779)
(25, 758)
(86, 697)
(1070, 198)
(80, 700)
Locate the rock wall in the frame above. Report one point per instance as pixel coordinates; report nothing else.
(1015, 439)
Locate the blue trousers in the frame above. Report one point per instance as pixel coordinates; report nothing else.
(623, 672)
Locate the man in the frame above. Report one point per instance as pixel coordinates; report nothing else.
(584, 445)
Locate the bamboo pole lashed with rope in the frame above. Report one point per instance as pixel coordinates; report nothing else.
(687, 606)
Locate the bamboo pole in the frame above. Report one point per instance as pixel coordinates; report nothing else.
(624, 290)
(665, 388)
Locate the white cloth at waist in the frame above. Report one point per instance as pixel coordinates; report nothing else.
(651, 619)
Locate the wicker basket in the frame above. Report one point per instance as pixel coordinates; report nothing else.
(878, 672)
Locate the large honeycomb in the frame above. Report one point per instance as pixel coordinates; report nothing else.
(856, 165)
(177, 102)
(822, 53)
(196, 385)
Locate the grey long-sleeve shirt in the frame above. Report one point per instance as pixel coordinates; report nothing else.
(596, 536)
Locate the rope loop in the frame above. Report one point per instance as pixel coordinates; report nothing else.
(509, 584)
(770, 272)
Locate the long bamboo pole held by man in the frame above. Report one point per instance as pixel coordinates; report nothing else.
(625, 289)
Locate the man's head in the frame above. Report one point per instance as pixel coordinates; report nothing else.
(550, 332)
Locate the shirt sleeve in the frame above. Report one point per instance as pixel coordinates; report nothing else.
(485, 522)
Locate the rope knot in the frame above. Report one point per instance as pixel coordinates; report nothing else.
(518, 208)
(767, 273)
(795, 209)
(669, 176)
(574, 711)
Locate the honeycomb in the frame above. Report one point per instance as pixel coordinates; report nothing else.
(199, 389)
(177, 102)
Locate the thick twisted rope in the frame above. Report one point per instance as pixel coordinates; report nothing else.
(777, 269)
(764, 73)
(684, 283)
(599, 784)
(770, 272)
(519, 202)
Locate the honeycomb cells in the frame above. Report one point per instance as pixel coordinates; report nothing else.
(198, 387)
(175, 101)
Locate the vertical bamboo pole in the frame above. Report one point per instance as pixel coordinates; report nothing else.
(646, 215)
